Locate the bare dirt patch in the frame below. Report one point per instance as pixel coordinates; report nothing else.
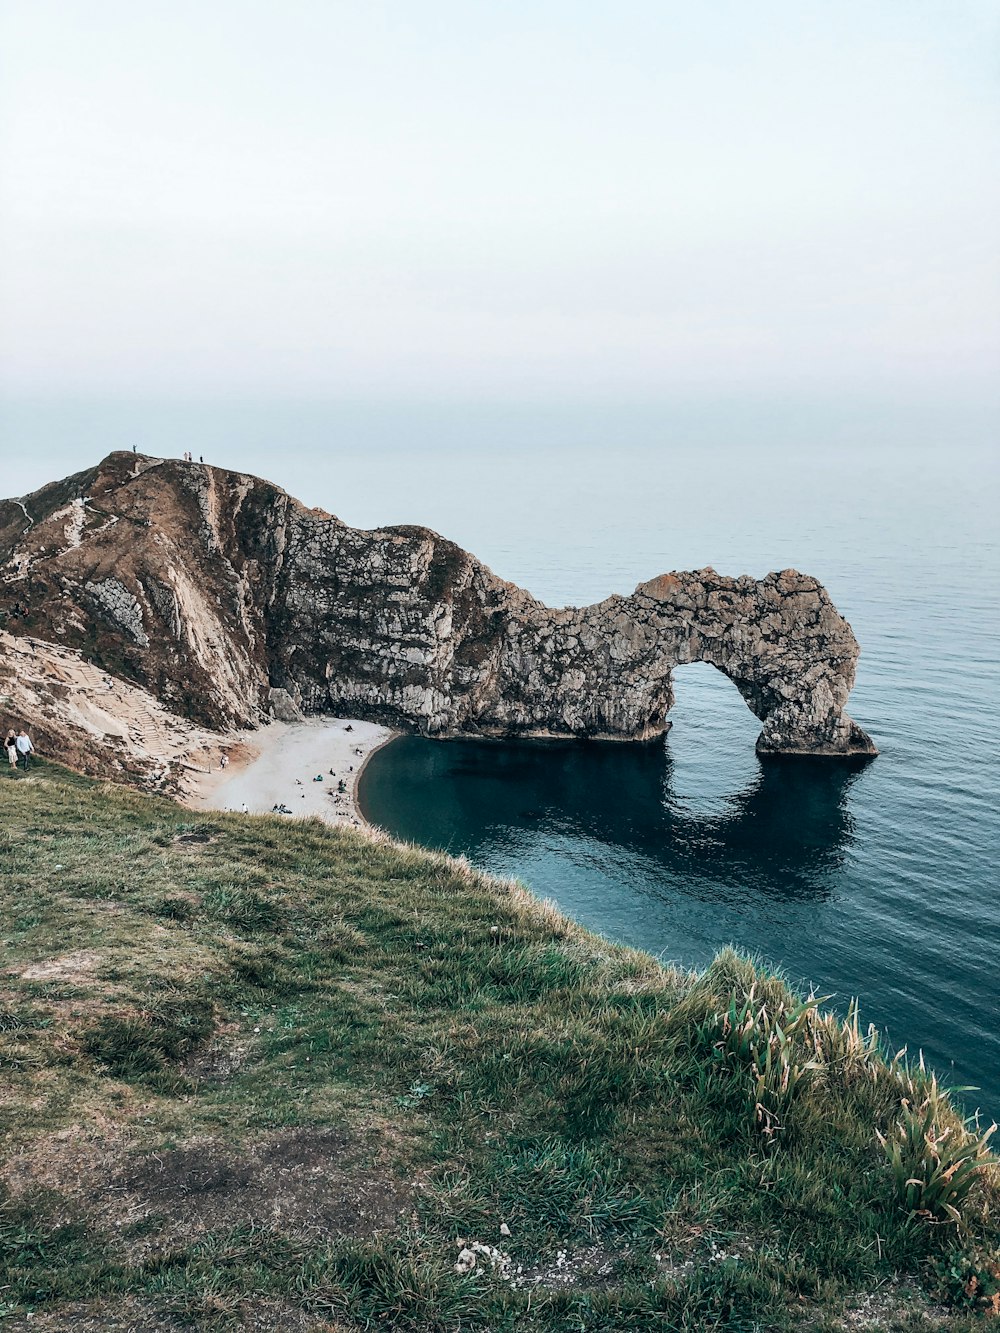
(892, 1303)
(301, 1182)
(215, 1064)
(67, 1162)
(196, 838)
(74, 967)
(124, 1316)
(591, 1267)
(304, 1183)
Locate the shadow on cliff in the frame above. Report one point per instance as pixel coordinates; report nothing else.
(780, 836)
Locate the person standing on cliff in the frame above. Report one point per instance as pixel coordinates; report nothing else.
(24, 748)
(10, 745)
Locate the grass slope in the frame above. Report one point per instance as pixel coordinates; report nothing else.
(270, 1075)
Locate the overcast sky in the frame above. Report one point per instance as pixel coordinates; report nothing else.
(531, 198)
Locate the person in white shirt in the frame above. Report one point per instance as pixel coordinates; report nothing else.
(24, 748)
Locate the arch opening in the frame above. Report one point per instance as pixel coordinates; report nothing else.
(711, 742)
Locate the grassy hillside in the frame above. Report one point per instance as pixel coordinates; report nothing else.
(258, 1074)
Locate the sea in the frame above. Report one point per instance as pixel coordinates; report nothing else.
(874, 880)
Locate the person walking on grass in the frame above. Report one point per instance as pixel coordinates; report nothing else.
(24, 748)
(10, 745)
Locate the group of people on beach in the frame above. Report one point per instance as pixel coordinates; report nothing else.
(19, 748)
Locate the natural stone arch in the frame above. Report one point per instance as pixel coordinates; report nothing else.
(606, 670)
(782, 643)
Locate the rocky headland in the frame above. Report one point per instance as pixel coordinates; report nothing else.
(228, 602)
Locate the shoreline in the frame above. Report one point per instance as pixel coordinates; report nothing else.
(299, 769)
(363, 819)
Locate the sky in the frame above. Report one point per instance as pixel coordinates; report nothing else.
(534, 200)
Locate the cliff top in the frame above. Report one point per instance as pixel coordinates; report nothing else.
(262, 1074)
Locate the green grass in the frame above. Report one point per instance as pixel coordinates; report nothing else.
(188, 1006)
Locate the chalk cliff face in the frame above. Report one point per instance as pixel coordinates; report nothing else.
(227, 599)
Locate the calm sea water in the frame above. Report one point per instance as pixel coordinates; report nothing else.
(879, 881)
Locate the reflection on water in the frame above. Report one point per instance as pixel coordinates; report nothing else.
(646, 847)
(792, 820)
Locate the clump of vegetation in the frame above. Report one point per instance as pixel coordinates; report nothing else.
(970, 1279)
(758, 1044)
(840, 1046)
(265, 1072)
(936, 1160)
(146, 1044)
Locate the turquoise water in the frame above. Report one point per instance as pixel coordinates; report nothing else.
(879, 881)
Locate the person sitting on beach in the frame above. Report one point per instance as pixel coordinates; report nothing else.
(10, 745)
(24, 748)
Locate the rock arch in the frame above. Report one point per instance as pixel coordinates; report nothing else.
(606, 670)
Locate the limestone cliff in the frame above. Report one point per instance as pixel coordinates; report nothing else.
(211, 589)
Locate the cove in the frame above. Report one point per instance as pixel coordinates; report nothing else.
(686, 843)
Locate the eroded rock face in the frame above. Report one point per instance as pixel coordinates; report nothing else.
(220, 593)
(100, 725)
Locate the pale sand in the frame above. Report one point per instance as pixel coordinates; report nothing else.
(278, 764)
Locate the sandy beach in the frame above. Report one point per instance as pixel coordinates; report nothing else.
(280, 764)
